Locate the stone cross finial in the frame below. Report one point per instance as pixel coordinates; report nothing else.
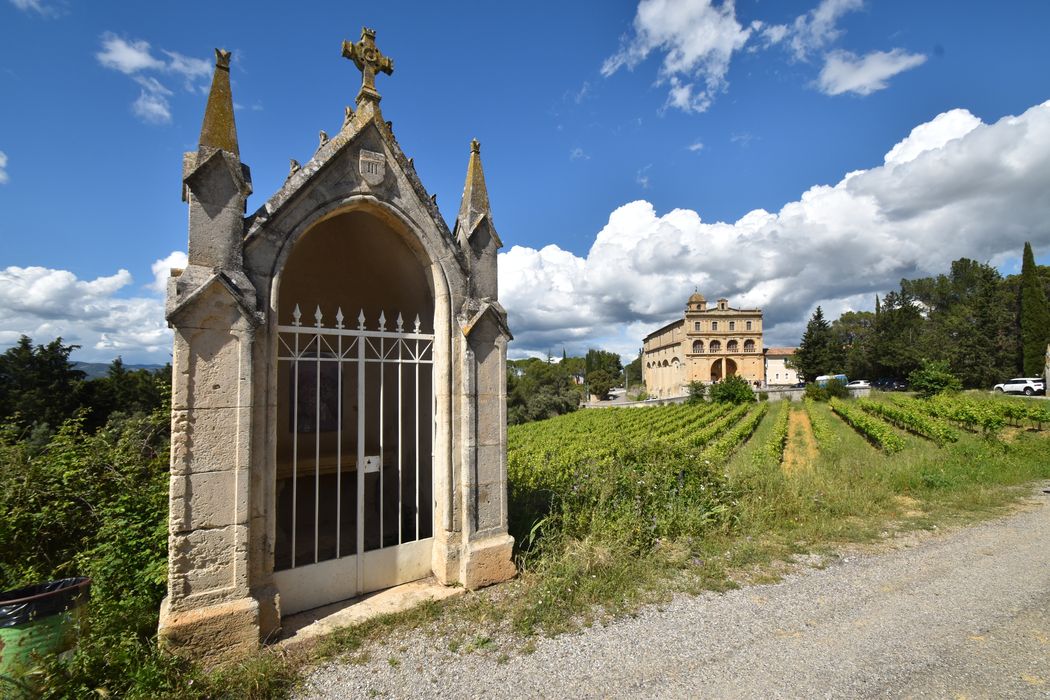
(368, 60)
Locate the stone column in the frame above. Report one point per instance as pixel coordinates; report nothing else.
(209, 613)
(486, 546)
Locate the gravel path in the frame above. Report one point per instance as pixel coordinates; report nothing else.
(962, 615)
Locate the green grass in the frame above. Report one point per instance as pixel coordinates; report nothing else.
(607, 518)
(615, 525)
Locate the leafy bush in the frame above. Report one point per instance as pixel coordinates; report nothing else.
(732, 390)
(815, 393)
(934, 378)
(836, 389)
(92, 504)
(697, 392)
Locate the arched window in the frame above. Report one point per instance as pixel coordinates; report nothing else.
(731, 346)
(665, 363)
(749, 346)
(674, 361)
(698, 346)
(716, 346)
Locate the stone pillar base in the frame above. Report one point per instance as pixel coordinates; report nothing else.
(444, 562)
(211, 635)
(487, 561)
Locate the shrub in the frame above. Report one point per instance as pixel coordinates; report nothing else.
(835, 389)
(763, 396)
(732, 390)
(697, 392)
(816, 393)
(933, 378)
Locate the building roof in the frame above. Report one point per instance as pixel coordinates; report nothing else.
(664, 329)
(781, 351)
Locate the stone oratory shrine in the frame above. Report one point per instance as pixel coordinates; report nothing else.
(339, 382)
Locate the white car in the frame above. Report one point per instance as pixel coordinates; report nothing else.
(859, 384)
(1029, 386)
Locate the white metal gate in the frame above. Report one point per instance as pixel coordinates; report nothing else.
(354, 456)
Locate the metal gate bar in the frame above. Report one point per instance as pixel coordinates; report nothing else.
(300, 345)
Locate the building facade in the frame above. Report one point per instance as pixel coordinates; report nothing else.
(777, 371)
(707, 345)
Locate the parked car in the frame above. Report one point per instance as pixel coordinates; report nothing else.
(1029, 386)
(859, 384)
(887, 384)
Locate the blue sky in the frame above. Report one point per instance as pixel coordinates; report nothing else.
(619, 133)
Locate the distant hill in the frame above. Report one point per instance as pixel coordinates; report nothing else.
(97, 370)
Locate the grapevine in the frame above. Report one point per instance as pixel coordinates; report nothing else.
(874, 430)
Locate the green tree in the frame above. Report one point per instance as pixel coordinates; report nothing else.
(815, 354)
(898, 332)
(852, 334)
(968, 321)
(599, 382)
(538, 390)
(732, 390)
(1035, 317)
(604, 360)
(38, 385)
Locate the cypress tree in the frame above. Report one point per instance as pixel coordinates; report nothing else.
(1035, 316)
(814, 354)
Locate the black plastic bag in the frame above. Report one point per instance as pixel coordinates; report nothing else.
(23, 605)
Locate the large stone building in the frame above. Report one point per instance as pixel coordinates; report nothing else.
(707, 345)
(339, 382)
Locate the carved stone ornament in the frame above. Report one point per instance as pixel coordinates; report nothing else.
(372, 166)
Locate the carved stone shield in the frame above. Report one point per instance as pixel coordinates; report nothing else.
(372, 166)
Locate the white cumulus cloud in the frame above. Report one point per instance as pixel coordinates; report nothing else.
(46, 303)
(162, 268)
(862, 75)
(3, 169)
(815, 29)
(697, 38)
(38, 6)
(954, 187)
(135, 59)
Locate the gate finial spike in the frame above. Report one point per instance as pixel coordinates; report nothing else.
(296, 315)
(417, 323)
(318, 316)
(382, 321)
(361, 320)
(400, 323)
(339, 317)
